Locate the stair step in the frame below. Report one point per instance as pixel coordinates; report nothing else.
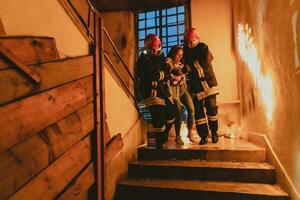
(191, 189)
(31, 49)
(247, 153)
(203, 170)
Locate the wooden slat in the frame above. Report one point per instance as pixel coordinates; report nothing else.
(85, 196)
(113, 147)
(34, 49)
(13, 85)
(26, 159)
(128, 5)
(2, 30)
(4, 64)
(49, 183)
(107, 136)
(28, 116)
(21, 66)
(78, 187)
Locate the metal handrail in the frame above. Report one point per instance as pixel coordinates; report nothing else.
(117, 52)
(121, 80)
(86, 25)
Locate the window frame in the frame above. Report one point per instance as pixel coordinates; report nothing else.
(166, 44)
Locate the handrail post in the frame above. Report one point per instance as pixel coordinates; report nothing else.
(99, 108)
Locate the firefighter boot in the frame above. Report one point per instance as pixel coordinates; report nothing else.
(159, 140)
(203, 140)
(214, 137)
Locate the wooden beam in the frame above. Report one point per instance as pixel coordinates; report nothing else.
(107, 136)
(35, 49)
(14, 86)
(16, 62)
(4, 64)
(137, 5)
(113, 147)
(50, 182)
(79, 186)
(2, 30)
(26, 159)
(26, 117)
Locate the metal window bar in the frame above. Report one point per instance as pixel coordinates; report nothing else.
(167, 32)
(177, 23)
(159, 28)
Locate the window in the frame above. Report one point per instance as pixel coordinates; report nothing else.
(168, 24)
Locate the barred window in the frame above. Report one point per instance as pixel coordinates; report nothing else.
(168, 24)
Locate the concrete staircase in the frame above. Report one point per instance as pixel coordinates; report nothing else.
(231, 169)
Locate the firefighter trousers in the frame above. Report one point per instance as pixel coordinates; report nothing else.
(206, 111)
(163, 117)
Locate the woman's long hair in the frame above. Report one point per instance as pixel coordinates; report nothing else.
(173, 51)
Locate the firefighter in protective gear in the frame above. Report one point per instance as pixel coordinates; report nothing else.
(202, 84)
(152, 75)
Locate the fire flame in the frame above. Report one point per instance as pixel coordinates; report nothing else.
(249, 55)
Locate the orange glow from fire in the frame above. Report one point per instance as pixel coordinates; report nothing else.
(249, 55)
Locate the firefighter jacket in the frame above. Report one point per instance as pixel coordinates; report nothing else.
(152, 77)
(202, 80)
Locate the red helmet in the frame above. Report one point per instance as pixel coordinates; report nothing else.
(153, 43)
(191, 38)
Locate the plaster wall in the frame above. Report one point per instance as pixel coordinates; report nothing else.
(122, 117)
(212, 19)
(117, 168)
(43, 18)
(120, 111)
(275, 29)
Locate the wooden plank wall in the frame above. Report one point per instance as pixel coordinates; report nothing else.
(46, 130)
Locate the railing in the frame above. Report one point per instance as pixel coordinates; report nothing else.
(118, 66)
(85, 20)
(124, 85)
(91, 25)
(117, 52)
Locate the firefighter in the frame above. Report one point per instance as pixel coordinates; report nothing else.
(152, 75)
(202, 84)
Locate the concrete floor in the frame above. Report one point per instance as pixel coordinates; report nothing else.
(224, 143)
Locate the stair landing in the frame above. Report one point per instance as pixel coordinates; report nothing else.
(223, 143)
(224, 150)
